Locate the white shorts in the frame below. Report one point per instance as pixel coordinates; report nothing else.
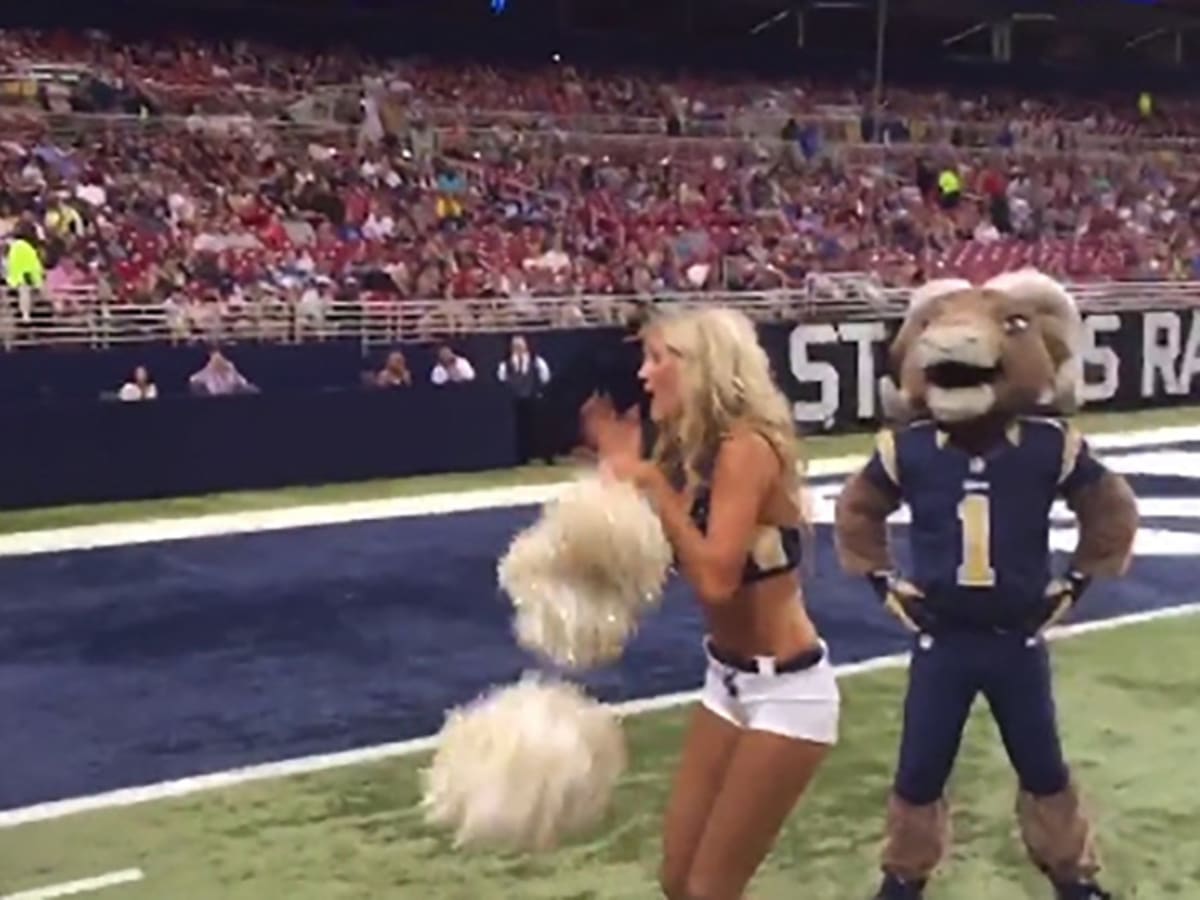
(804, 704)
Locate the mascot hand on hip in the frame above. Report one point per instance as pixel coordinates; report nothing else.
(979, 452)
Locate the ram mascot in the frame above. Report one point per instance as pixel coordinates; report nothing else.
(979, 451)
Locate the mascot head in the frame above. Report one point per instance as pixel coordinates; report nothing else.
(966, 353)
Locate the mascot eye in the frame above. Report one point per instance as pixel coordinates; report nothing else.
(1016, 324)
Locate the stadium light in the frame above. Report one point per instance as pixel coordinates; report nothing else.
(1143, 38)
(770, 20)
(965, 33)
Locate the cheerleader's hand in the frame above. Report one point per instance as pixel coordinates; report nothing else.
(616, 439)
(623, 468)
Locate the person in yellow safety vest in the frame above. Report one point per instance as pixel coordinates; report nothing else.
(24, 273)
(24, 266)
(950, 188)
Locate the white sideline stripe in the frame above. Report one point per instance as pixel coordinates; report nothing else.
(83, 886)
(115, 534)
(184, 787)
(88, 537)
(1157, 462)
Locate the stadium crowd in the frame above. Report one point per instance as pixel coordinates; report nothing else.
(221, 176)
(184, 75)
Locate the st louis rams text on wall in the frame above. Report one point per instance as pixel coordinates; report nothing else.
(832, 371)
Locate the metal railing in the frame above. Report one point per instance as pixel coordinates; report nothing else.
(744, 116)
(479, 128)
(85, 320)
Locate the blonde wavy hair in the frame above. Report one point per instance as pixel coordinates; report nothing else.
(725, 381)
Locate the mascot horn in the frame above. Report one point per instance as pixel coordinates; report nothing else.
(979, 452)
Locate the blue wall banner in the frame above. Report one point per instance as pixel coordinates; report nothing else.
(313, 423)
(87, 451)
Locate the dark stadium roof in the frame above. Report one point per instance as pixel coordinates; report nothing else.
(1108, 40)
(1129, 13)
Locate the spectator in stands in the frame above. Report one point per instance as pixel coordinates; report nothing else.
(450, 188)
(312, 307)
(203, 211)
(527, 375)
(395, 372)
(220, 378)
(62, 220)
(140, 387)
(451, 368)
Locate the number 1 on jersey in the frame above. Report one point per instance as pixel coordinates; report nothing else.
(974, 513)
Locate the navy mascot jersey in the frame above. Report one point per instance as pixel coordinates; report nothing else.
(980, 533)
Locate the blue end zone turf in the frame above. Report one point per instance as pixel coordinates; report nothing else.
(140, 664)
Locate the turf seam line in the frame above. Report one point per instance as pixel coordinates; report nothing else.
(184, 787)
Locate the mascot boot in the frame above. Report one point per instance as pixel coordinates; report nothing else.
(979, 452)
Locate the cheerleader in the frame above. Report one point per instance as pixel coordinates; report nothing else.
(724, 479)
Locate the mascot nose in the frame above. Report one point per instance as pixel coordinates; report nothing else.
(952, 337)
(967, 344)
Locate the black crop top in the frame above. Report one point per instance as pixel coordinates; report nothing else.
(776, 548)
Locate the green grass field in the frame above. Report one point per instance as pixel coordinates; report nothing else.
(1127, 698)
(1129, 722)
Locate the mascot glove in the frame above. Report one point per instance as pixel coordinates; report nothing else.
(903, 598)
(1061, 596)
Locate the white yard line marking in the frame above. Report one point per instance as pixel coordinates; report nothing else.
(824, 505)
(88, 537)
(1168, 435)
(1159, 542)
(185, 787)
(1157, 462)
(83, 886)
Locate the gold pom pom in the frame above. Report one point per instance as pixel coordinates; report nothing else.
(583, 575)
(524, 767)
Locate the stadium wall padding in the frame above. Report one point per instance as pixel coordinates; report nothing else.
(84, 451)
(313, 424)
